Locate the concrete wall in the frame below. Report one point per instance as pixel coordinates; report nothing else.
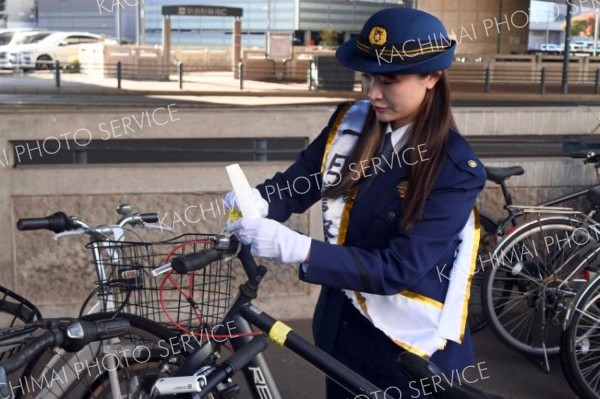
(57, 275)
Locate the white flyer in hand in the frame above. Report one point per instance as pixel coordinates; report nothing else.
(243, 192)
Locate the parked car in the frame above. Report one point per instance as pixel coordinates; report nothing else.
(11, 38)
(61, 46)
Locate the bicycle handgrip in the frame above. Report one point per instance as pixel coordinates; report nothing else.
(233, 364)
(32, 350)
(57, 222)
(246, 353)
(149, 217)
(102, 329)
(196, 261)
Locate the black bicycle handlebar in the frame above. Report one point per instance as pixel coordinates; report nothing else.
(233, 364)
(149, 217)
(419, 369)
(195, 261)
(588, 157)
(57, 222)
(70, 334)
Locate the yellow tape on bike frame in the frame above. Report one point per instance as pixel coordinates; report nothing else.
(279, 332)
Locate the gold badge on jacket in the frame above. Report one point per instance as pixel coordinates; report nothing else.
(402, 188)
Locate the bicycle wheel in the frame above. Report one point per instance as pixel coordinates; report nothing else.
(580, 344)
(147, 352)
(476, 317)
(536, 273)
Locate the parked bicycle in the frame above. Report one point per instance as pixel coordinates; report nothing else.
(493, 231)
(122, 286)
(201, 375)
(535, 272)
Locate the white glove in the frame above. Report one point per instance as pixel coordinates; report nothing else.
(263, 206)
(271, 239)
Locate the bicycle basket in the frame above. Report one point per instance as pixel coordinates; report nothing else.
(16, 316)
(187, 301)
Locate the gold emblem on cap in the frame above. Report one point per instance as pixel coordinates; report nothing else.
(378, 36)
(472, 163)
(402, 188)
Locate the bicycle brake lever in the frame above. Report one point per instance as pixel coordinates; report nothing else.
(155, 226)
(76, 232)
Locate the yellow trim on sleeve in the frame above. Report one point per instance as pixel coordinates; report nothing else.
(279, 332)
(421, 298)
(474, 253)
(344, 221)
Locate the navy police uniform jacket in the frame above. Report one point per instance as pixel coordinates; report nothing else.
(378, 256)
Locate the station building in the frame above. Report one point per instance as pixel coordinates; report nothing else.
(480, 26)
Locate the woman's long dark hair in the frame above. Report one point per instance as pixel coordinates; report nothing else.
(429, 130)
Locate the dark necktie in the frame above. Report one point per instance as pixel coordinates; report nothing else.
(386, 152)
(388, 149)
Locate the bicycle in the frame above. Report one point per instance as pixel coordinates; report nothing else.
(122, 287)
(579, 342)
(536, 273)
(494, 231)
(200, 375)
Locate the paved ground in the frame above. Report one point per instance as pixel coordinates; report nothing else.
(218, 88)
(509, 374)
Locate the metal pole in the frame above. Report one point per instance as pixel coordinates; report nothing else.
(137, 23)
(596, 30)
(57, 72)
(180, 69)
(597, 81)
(499, 41)
(487, 82)
(119, 74)
(241, 67)
(543, 81)
(118, 16)
(567, 51)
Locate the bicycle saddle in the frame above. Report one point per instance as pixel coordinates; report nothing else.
(594, 196)
(421, 370)
(498, 175)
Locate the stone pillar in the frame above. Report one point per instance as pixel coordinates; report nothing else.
(237, 46)
(166, 41)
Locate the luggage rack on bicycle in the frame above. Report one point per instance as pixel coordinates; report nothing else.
(189, 302)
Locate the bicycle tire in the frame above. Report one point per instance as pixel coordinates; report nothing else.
(513, 289)
(136, 374)
(578, 347)
(476, 317)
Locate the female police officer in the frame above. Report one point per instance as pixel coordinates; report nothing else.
(400, 229)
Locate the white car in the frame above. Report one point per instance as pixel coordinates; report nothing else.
(11, 38)
(61, 46)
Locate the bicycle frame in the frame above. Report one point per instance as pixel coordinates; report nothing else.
(257, 373)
